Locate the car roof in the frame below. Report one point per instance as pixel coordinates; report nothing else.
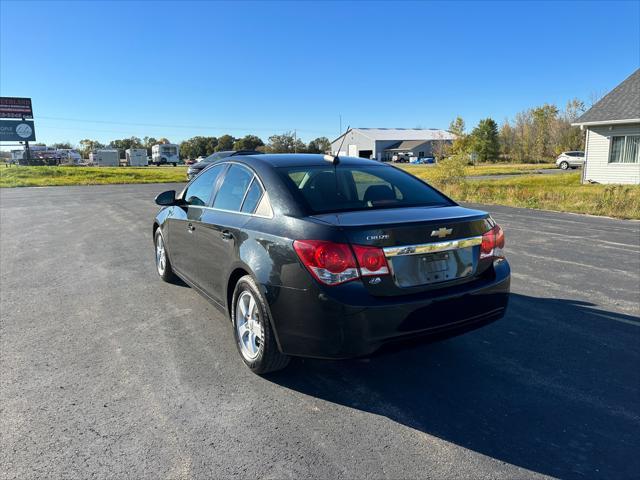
(305, 159)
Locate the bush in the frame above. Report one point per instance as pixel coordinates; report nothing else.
(450, 171)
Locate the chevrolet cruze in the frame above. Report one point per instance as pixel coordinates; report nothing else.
(326, 257)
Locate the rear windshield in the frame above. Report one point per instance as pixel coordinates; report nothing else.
(346, 188)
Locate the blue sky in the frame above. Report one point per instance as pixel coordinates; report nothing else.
(107, 70)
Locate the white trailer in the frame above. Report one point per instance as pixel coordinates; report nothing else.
(70, 156)
(105, 158)
(167, 153)
(136, 157)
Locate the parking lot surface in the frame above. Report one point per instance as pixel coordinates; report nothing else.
(108, 372)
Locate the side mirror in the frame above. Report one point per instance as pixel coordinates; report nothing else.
(166, 199)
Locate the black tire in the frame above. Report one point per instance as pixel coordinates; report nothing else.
(166, 272)
(564, 166)
(268, 358)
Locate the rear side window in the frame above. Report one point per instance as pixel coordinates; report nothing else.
(252, 198)
(325, 189)
(199, 192)
(233, 188)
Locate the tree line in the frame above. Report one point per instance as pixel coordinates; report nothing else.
(535, 135)
(201, 146)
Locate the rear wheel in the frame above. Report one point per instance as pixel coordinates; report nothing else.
(564, 165)
(252, 329)
(163, 266)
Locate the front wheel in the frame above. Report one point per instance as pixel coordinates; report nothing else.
(163, 265)
(564, 165)
(252, 329)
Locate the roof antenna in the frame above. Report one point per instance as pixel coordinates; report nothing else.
(334, 158)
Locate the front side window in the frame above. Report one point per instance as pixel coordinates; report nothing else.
(625, 149)
(345, 188)
(233, 188)
(199, 192)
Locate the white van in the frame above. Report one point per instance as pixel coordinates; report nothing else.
(167, 153)
(136, 157)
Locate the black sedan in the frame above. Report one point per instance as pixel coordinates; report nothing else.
(331, 258)
(196, 168)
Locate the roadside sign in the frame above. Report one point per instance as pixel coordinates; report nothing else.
(17, 131)
(15, 107)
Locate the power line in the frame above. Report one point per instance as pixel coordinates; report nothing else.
(191, 127)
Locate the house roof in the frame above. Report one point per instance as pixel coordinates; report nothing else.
(423, 134)
(406, 145)
(621, 103)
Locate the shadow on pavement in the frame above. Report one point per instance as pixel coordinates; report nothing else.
(553, 388)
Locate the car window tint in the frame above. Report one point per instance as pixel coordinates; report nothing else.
(233, 187)
(325, 189)
(199, 192)
(253, 197)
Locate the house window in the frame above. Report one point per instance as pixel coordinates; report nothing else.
(625, 149)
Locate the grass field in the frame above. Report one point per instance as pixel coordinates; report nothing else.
(563, 193)
(15, 176)
(425, 171)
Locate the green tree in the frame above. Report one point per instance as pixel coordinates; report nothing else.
(225, 142)
(198, 147)
(62, 145)
(544, 119)
(149, 142)
(319, 145)
(285, 143)
(87, 146)
(461, 144)
(485, 140)
(248, 142)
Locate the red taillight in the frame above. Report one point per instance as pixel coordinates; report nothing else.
(492, 243)
(333, 263)
(371, 260)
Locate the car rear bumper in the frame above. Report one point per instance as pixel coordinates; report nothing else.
(311, 323)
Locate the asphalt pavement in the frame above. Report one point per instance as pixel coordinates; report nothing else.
(107, 372)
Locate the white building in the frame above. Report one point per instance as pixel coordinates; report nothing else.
(612, 152)
(383, 143)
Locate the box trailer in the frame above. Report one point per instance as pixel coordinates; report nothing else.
(166, 153)
(136, 157)
(105, 158)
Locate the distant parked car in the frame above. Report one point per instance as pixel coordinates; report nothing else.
(573, 159)
(196, 168)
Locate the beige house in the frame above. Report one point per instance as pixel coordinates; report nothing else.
(612, 152)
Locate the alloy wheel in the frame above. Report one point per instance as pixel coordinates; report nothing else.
(248, 326)
(161, 255)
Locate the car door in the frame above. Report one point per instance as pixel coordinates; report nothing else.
(222, 231)
(187, 218)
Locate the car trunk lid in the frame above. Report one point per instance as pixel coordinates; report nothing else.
(425, 247)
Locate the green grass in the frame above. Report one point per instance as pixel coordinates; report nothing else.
(19, 176)
(426, 171)
(563, 193)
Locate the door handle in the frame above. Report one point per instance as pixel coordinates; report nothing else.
(190, 227)
(226, 235)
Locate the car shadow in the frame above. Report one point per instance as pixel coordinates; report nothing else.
(554, 387)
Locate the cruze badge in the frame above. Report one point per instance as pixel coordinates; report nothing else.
(441, 232)
(382, 236)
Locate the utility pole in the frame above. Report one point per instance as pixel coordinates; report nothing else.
(295, 141)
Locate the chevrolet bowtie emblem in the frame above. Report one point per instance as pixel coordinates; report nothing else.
(441, 232)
